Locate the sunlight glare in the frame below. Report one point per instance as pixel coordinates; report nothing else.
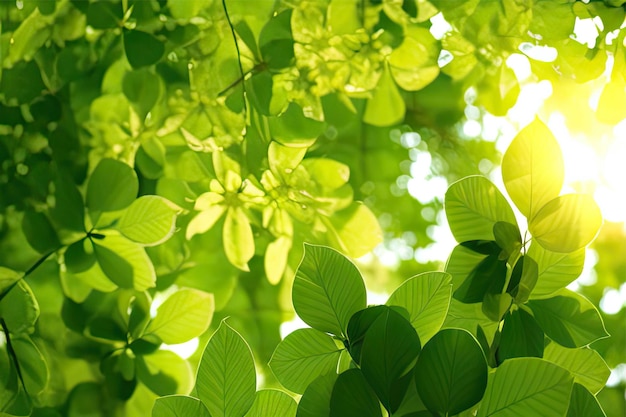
(184, 350)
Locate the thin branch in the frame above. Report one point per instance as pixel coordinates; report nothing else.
(27, 273)
(243, 75)
(12, 354)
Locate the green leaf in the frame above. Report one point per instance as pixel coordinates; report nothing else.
(507, 237)
(19, 309)
(33, 366)
(461, 263)
(69, 210)
(487, 277)
(164, 372)
(356, 229)
(414, 63)
(179, 406)
(451, 372)
(473, 206)
(524, 384)
(582, 403)
(532, 168)
(389, 351)
(523, 279)
(496, 305)
(315, 401)
(521, 337)
(498, 91)
(359, 324)
(79, 256)
(269, 402)
(150, 220)
(555, 270)
(327, 290)
(569, 319)
(276, 41)
(184, 315)
(142, 49)
(426, 297)
(585, 364)
(104, 15)
(302, 356)
(226, 381)
(238, 238)
(124, 262)
(386, 107)
(566, 223)
(294, 129)
(112, 186)
(7, 278)
(276, 256)
(353, 397)
(39, 232)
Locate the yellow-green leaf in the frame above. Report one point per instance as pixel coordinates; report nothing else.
(149, 220)
(386, 107)
(566, 223)
(183, 316)
(414, 63)
(532, 168)
(238, 238)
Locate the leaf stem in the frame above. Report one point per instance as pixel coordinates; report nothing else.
(27, 273)
(243, 75)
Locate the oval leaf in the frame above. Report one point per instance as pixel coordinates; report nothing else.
(184, 315)
(524, 384)
(269, 402)
(142, 49)
(149, 220)
(569, 319)
(238, 238)
(226, 381)
(473, 206)
(125, 262)
(386, 107)
(555, 270)
(39, 232)
(302, 356)
(451, 372)
(19, 309)
(585, 364)
(566, 223)
(33, 367)
(327, 290)
(426, 297)
(179, 406)
(112, 186)
(532, 168)
(353, 397)
(389, 351)
(315, 401)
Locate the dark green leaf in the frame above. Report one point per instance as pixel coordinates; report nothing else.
(389, 351)
(353, 397)
(112, 186)
(39, 232)
(276, 41)
(142, 49)
(315, 401)
(79, 256)
(582, 403)
(569, 319)
(142, 88)
(521, 337)
(358, 326)
(451, 372)
(487, 277)
(104, 14)
(69, 209)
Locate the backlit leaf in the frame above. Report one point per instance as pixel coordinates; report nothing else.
(302, 356)
(426, 297)
(238, 238)
(112, 186)
(585, 364)
(473, 206)
(179, 406)
(582, 403)
(386, 107)
(184, 315)
(269, 402)
(328, 290)
(149, 220)
(555, 270)
(532, 168)
(524, 384)
(19, 309)
(226, 381)
(566, 223)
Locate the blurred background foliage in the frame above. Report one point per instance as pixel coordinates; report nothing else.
(264, 125)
